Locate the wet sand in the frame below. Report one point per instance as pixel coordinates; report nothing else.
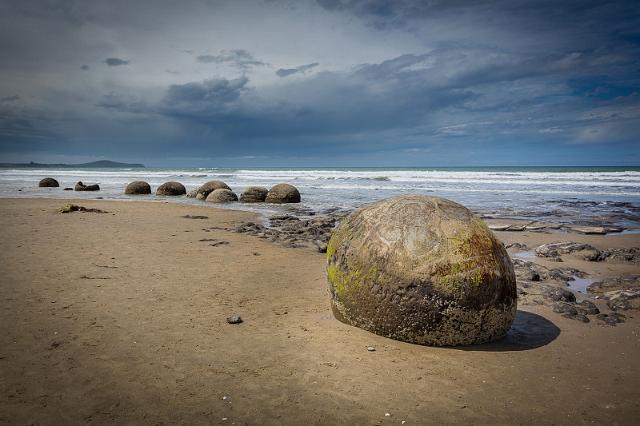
(120, 317)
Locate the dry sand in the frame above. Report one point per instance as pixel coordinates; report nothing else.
(120, 318)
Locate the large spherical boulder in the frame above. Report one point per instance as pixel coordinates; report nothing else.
(48, 183)
(283, 193)
(254, 194)
(422, 270)
(222, 196)
(82, 187)
(138, 187)
(211, 186)
(171, 188)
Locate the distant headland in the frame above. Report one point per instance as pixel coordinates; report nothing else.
(102, 164)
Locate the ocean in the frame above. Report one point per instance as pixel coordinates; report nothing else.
(570, 195)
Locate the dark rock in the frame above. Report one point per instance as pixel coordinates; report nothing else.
(138, 187)
(627, 255)
(612, 318)
(627, 282)
(234, 319)
(423, 270)
(207, 188)
(518, 246)
(48, 183)
(68, 208)
(564, 308)
(588, 308)
(558, 294)
(577, 317)
(221, 196)
(190, 216)
(254, 194)
(621, 300)
(171, 189)
(68, 189)
(283, 193)
(554, 250)
(82, 187)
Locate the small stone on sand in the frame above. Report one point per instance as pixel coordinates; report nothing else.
(234, 319)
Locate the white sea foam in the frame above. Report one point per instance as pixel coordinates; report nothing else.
(583, 194)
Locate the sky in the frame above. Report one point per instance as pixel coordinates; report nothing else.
(239, 83)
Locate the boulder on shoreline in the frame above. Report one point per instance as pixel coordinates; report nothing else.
(207, 188)
(222, 196)
(254, 194)
(48, 182)
(138, 187)
(171, 189)
(283, 193)
(82, 187)
(422, 270)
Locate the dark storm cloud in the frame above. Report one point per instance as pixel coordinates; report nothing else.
(207, 98)
(115, 62)
(239, 58)
(11, 98)
(284, 72)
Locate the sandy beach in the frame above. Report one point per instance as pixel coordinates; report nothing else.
(120, 317)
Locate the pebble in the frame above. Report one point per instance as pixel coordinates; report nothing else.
(371, 349)
(234, 319)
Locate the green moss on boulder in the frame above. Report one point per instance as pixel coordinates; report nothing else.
(423, 270)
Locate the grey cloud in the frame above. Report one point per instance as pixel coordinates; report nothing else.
(203, 98)
(239, 58)
(284, 72)
(84, 67)
(116, 62)
(12, 98)
(123, 103)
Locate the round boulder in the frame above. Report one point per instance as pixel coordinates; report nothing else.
(211, 186)
(222, 196)
(82, 187)
(171, 188)
(254, 194)
(283, 193)
(138, 187)
(422, 270)
(48, 183)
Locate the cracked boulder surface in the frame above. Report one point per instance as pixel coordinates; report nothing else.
(422, 270)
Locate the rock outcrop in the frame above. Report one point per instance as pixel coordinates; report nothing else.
(82, 187)
(48, 182)
(254, 194)
(283, 193)
(171, 189)
(423, 270)
(209, 187)
(222, 196)
(138, 187)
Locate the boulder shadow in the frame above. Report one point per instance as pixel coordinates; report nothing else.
(528, 331)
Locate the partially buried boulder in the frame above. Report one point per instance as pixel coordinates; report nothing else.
(254, 194)
(48, 183)
(82, 187)
(283, 193)
(222, 196)
(209, 187)
(171, 188)
(422, 270)
(138, 187)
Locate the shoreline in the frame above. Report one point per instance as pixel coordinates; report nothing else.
(120, 317)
